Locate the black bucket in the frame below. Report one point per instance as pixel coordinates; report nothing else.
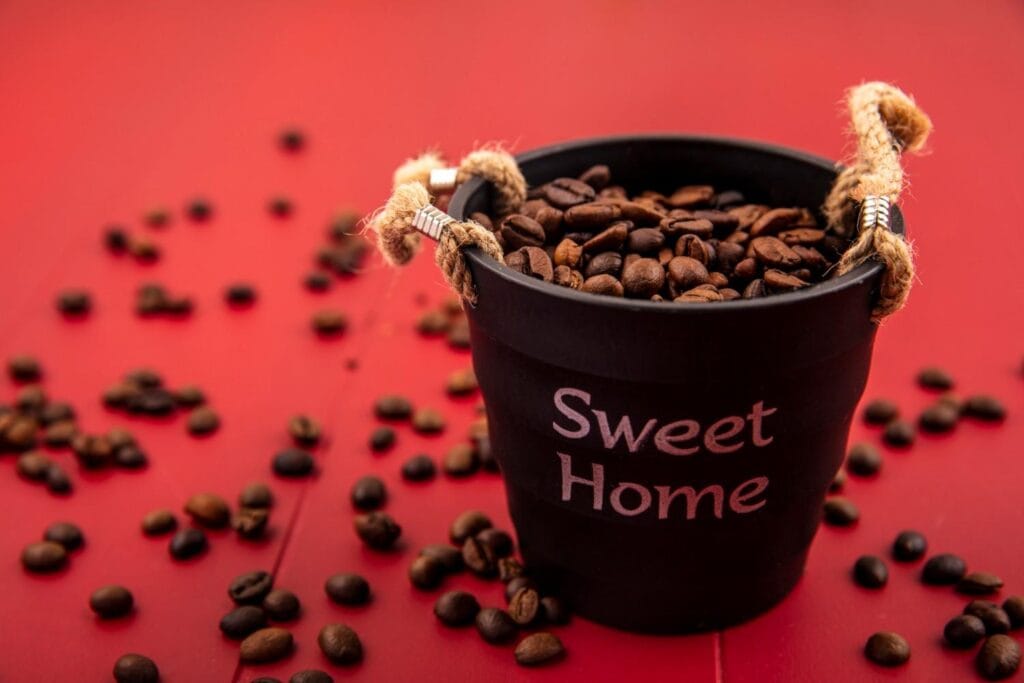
(666, 464)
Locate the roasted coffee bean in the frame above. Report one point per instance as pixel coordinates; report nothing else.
(608, 240)
(33, 465)
(568, 192)
(524, 606)
(520, 231)
(311, 676)
(208, 510)
(535, 263)
(304, 430)
(887, 648)
(643, 278)
(597, 177)
(198, 209)
(870, 571)
(280, 206)
(685, 273)
(938, 418)
(58, 481)
(241, 621)
(1014, 608)
(840, 512)
(159, 522)
(449, 557)
(495, 625)
(461, 382)
(518, 583)
(393, 407)
(428, 421)
(461, 460)
(368, 493)
(348, 589)
(66, 534)
(863, 459)
(909, 546)
(24, 369)
(645, 241)
(266, 645)
(943, 570)
(964, 631)
(589, 216)
(690, 196)
(134, 668)
(468, 524)
(382, 439)
(456, 608)
(479, 558)
(880, 412)
(984, 407)
(157, 217)
(432, 324)
(110, 602)
(293, 462)
(130, 457)
(935, 378)
(60, 434)
(377, 530)
(998, 658)
(500, 542)
(291, 139)
(329, 322)
(554, 610)
(115, 239)
(240, 294)
(144, 249)
(838, 481)
(419, 468)
(340, 644)
(56, 411)
(568, 253)
(256, 495)
(538, 649)
(996, 619)
(31, 400)
(509, 568)
(250, 523)
(251, 587)
(603, 284)
(45, 556)
(899, 433)
(187, 543)
(773, 252)
(426, 572)
(979, 583)
(773, 221)
(281, 605)
(317, 281)
(605, 263)
(778, 281)
(74, 302)
(18, 432)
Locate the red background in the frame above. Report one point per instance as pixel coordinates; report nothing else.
(110, 108)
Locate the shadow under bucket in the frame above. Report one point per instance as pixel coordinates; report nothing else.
(666, 464)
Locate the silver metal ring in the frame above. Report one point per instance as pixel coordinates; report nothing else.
(442, 180)
(874, 212)
(431, 221)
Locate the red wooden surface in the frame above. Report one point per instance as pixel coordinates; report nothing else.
(110, 108)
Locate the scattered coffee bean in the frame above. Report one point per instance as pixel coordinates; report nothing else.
(479, 558)
(433, 324)
(935, 378)
(311, 676)
(74, 302)
(377, 530)
(994, 617)
(280, 206)
(256, 495)
(159, 522)
(449, 557)
(60, 434)
(110, 602)
(382, 439)
(208, 510)
(133, 668)
(838, 481)
(266, 645)
(58, 481)
(250, 523)
(1014, 608)
(187, 543)
(458, 335)
(468, 524)
(554, 610)
(517, 584)
(282, 605)
(393, 407)
(115, 239)
(240, 294)
(500, 542)
(419, 468)
(495, 625)
(524, 607)
(898, 433)
(242, 621)
(880, 411)
(456, 608)
(348, 589)
(33, 465)
(426, 572)
(368, 493)
(317, 281)
(887, 648)
(964, 631)
(340, 644)
(538, 649)
(292, 139)
(909, 546)
(157, 217)
(840, 512)
(428, 421)
(979, 583)
(943, 570)
(304, 430)
(509, 568)
(251, 587)
(863, 459)
(45, 556)
(938, 418)
(329, 322)
(144, 250)
(24, 369)
(293, 462)
(130, 457)
(870, 571)
(199, 209)
(66, 534)
(998, 658)
(984, 407)
(461, 383)
(461, 460)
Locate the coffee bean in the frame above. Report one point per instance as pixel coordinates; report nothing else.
(304, 430)
(280, 206)
(266, 645)
(56, 411)
(773, 252)
(33, 465)
(524, 607)
(382, 439)
(898, 433)
(943, 570)
(58, 481)
(880, 411)
(242, 621)
(774, 221)
(317, 281)
(311, 676)
(1014, 608)
(864, 460)
(938, 418)
(329, 322)
(838, 481)
(468, 524)
(517, 584)
(456, 608)
(393, 407)
(18, 432)
(256, 495)
(433, 324)
(377, 530)
(685, 273)
(538, 649)
(157, 217)
(520, 231)
(603, 284)
(996, 619)
(567, 192)
(426, 572)
(509, 568)
(133, 668)
(281, 605)
(428, 421)
(870, 571)
(208, 510)
(935, 378)
(840, 512)
(984, 407)
(998, 658)
(110, 602)
(778, 281)
(459, 336)
(597, 177)
(979, 583)
(187, 543)
(251, 587)
(461, 382)
(144, 250)
(645, 241)
(293, 462)
(500, 542)
(159, 522)
(479, 557)
(368, 493)
(115, 239)
(963, 631)
(461, 460)
(887, 648)
(606, 263)
(449, 557)
(74, 302)
(568, 253)
(66, 534)
(130, 457)
(199, 209)
(348, 589)
(291, 139)
(340, 644)
(46, 556)
(24, 368)
(419, 468)
(554, 610)
(250, 523)
(495, 625)
(909, 546)
(60, 434)
(643, 278)
(608, 241)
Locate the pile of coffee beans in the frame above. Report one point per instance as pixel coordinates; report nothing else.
(448, 321)
(143, 392)
(152, 299)
(53, 552)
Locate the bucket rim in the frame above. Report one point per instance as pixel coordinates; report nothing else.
(856, 277)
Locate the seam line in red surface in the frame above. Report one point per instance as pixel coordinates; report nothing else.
(719, 669)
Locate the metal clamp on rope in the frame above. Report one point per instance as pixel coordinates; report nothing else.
(442, 180)
(431, 221)
(874, 213)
